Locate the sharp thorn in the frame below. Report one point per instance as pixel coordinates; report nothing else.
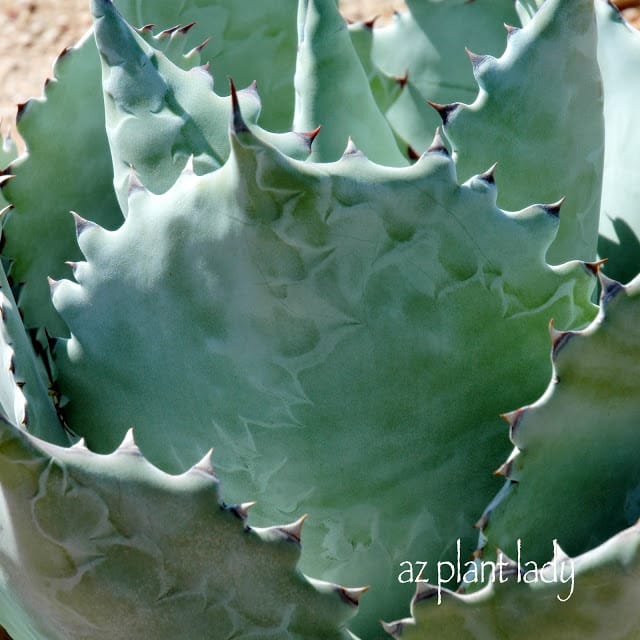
(81, 224)
(489, 174)
(242, 510)
(476, 59)
(444, 110)
(437, 144)
(4, 178)
(187, 27)
(394, 629)
(609, 288)
(205, 466)
(293, 531)
(135, 184)
(237, 122)
(511, 29)
(403, 80)
(168, 32)
(351, 150)
(53, 284)
(554, 208)
(352, 595)
(369, 24)
(482, 522)
(595, 267)
(128, 444)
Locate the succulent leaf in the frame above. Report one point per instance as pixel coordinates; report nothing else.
(73, 172)
(277, 287)
(8, 152)
(24, 381)
(619, 59)
(426, 44)
(110, 547)
(329, 73)
(158, 115)
(556, 51)
(598, 599)
(576, 446)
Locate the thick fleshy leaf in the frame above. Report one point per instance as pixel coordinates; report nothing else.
(25, 376)
(68, 166)
(329, 81)
(270, 297)
(111, 548)
(592, 596)
(576, 447)
(547, 133)
(158, 114)
(619, 59)
(8, 152)
(246, 44)
(426, 45)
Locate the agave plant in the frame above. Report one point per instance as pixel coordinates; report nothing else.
(342, 313)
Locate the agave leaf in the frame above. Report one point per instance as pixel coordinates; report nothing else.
(556, 117)
(591, 596)
(24, 380)
(110, 547)
(158, 114)
(619, 59)
(426, 45)
(384, 87)
(576, 446)
(266, 298)
(63, 170)
(8, 152)
(245, 44)
(72, 171)
(329, 73)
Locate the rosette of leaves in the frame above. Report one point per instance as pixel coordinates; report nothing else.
(343, 329)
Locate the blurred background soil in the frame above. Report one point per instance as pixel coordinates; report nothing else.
(34, 32)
